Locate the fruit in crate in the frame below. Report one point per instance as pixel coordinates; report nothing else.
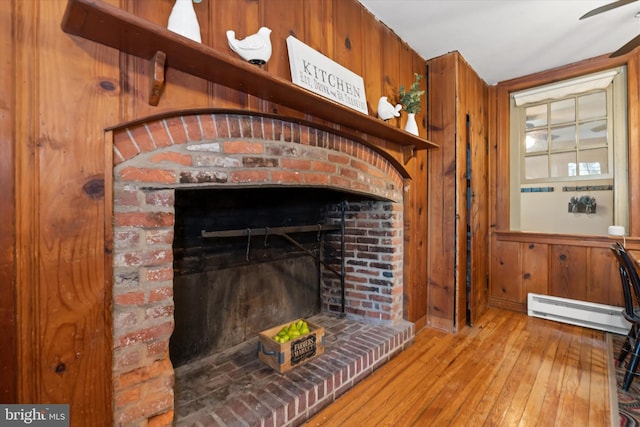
(289, 332)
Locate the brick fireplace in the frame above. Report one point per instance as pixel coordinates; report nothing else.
(225, 149)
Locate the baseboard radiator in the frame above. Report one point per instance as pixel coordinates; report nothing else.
(588, 314)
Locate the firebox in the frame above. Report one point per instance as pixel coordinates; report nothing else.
(247, 259)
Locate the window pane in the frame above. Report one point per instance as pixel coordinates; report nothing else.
(536, 116)
(536, 167)
(563, 138)
(594, 162)
(592, 106)
(536, 141)
(593, 133)
(563, 164)
(563, 111)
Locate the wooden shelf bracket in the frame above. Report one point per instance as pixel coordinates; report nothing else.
(156, 77)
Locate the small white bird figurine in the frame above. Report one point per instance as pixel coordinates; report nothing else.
(255, 48)
(386, 110)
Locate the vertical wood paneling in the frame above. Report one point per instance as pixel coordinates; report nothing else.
(505, 271)
(348, 38)
(9, 336)
(442, 183)
(372, 63)
(64, 329)
(535, 274)
(390, 70)
(473, 103)
(604, 279)
(633, 129)
(568, 276)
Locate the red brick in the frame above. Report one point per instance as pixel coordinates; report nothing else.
(192, 124)
(159, 236)
(125, 146)
(124, 320)
(160, 294)
(181, 159)
(159, 274)
(163, 420)
(126, 198)
(147, 258)
(286, 177)
(126, 397)
(208, 127)
(143, 409)
(148, 175)
(126, 239)
(338, 181)
(156, 332)
(160, 367)
(249, 176)
(176, 130)
(360, 166)
(126, 360)
(242, 147)
(303, 165)
(159, 312)
(141, 136)
(158, 349)
(144, 219)
(130, 298)
(256, 127)
(315, 178)
(159, 134)
(267, 128)
(323, 167)
(222, 126)
(245, 126)
(338, 158)
(160, 198)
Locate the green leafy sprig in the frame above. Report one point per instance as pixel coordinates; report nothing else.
(411, 99)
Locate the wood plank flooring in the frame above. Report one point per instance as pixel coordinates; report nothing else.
(507, 370)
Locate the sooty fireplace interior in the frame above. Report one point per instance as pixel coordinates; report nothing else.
(248, 259)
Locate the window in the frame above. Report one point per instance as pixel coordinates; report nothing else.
(567, 138)
(568, 144)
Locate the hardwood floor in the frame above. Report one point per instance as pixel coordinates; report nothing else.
(507, 370)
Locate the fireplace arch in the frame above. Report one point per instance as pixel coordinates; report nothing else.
(230, 149)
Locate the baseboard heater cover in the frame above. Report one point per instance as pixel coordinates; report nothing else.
(574, 312)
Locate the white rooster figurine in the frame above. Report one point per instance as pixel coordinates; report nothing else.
(255, 48)
(386, 110)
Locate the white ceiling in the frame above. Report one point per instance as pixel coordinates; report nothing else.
(504, 39)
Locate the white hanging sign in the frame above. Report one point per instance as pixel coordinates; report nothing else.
(319, 74)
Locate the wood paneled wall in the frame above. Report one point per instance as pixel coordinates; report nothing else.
(457, 119)
(59, 94)
(578, 267)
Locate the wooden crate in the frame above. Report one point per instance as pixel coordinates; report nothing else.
(284, 356)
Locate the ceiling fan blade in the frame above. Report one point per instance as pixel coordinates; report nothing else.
(635, 42)
(606, 7)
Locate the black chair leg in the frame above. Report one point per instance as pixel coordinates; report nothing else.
(631, 370)
(627, 346)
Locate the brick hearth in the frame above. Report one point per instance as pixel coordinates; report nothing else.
(224, 150)
(233, 388)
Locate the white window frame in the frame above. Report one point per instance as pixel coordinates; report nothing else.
(615, 81)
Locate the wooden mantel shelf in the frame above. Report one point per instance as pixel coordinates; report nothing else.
(106, 24)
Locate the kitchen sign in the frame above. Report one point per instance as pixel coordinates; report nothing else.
(319, 74)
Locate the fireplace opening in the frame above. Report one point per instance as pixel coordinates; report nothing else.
(235, 274)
